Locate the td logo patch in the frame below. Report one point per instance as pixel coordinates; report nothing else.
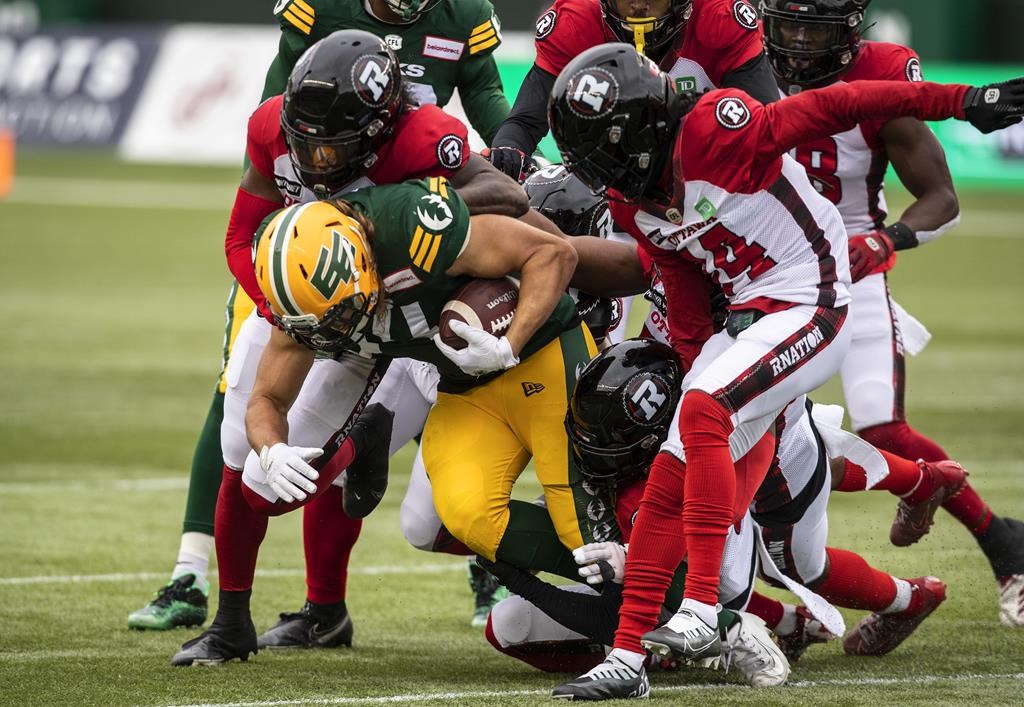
(745, 15)
(592, 93)
(646, 397)
(546, 24)
(371, 80)
(914, 70)
(732, 113)
(449, 151)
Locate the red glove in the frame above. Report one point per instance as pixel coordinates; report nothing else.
(868, 253)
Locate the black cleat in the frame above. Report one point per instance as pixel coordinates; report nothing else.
(366, 478)
(313, 626)
(218, 644)
(611, 680)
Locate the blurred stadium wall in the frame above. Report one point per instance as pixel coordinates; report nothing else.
(162, 80)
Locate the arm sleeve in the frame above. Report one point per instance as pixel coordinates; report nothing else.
(754, 78)
(483, 96)
(246, 215)
(528, 121)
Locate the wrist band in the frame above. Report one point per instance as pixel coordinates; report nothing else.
(902, 235)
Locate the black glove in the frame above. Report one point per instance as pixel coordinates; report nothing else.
(995, 106)
(512, 161)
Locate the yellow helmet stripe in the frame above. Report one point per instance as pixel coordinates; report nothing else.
(279, 261)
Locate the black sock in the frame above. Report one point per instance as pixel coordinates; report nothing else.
(233, 608)
(327, 613)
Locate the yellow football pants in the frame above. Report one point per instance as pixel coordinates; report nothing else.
(239, 307)
(476, 444)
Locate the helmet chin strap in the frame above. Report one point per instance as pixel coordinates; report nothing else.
(641, 26)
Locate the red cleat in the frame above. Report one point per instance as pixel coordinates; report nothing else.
(914, 520)
(879, 634)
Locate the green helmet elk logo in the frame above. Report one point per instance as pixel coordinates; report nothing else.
(334, 266)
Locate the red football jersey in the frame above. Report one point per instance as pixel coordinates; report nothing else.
(848, 168)
(720, 36)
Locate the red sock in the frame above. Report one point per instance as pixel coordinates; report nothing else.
(447, 543)
(854, 584)
(969, 508)
(904, 476)
(328, 536)
(770, 610)
(902, 439)
(655, 550)
(238, 532)
(330, 467)
(710, 492)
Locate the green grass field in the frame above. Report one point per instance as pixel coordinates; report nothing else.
(112, 282)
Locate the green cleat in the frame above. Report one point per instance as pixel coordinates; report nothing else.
(487, 592)
(179, 603)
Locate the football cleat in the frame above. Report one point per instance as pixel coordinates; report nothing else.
(1003, 545)
(181, 602)
(914, 520)
(310, 627)
(808, 632)
(611, 680)
(366, 478)
(685, 636)
(748, 646)
(487, 591)
(218, 644)
(879, 634)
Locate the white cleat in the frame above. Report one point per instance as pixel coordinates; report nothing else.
(1011, 601)
(686, 636)
(748, 646)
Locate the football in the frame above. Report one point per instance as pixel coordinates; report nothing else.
(484, 304)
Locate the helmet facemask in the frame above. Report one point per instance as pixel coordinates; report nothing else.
(650, 35)
(342, 327)
(410, 10)
(810, 50)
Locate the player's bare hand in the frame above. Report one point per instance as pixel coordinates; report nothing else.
(995, 106)
(288, 472)
(867, 252)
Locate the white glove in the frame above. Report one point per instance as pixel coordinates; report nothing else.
(288, 474)
(483, 354)
(589, 557)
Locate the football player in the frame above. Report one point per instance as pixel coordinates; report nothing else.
(441, 45)
(366, 279)
(816, 43)
(725, 199)
(334, 129)
(701, 44)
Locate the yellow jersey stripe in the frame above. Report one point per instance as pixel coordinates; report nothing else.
(480, 28)
(486, 45)
(439, 185)
(480, 38)
(425, 245)
(301, 14)
(432, 183)
(305, 7)
(303, 27)
(434, 247)
(443, 184)
(416, 238)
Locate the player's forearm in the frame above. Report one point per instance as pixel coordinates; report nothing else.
(483, 97)
(926, 219)
(828, 111)
(528, 121)
(543, 279)
(265, 423)
(607, 269)
(247, 213)
(488, 191)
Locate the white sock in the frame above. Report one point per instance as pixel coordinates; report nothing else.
(904, 590)
(787, 624)
(707, 613)
(633, 660)
(194, 557)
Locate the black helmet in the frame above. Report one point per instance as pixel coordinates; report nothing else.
(411, 10)
(811, 42)
(650, 35)
(341, 104)
(621, 409)
(568, 202)
(614, 116)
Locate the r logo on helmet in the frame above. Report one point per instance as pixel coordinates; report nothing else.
(371, 80)
(449, 152)
(732, 113)
(745, 14)
(592, 93)
(646, 397)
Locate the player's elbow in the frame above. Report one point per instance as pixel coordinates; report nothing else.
(950, 206)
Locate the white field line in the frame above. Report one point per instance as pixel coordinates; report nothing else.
(372, 570)
(438, 696)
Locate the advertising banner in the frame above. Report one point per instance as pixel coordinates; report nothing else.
(74, 86)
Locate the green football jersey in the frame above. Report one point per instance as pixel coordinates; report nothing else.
(450, 46)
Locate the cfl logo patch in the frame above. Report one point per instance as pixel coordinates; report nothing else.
(732, 113)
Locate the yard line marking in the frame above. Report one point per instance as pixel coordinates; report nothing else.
(437, 696)
(371, 570)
